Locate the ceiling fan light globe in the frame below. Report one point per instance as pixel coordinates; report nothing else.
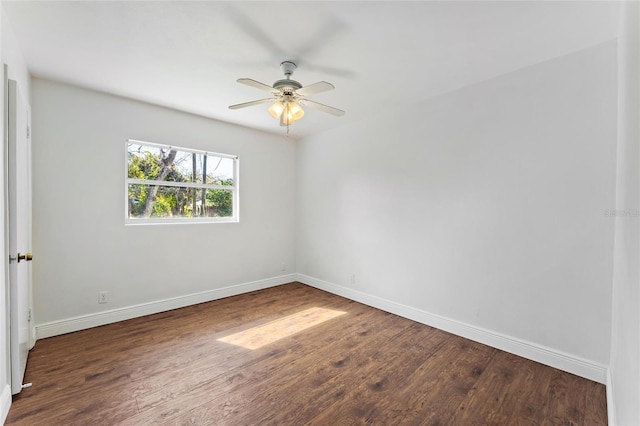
(295, 112)
(276, 110)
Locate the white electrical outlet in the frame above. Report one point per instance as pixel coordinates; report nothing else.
(103, 297)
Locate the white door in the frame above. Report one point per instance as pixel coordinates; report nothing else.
(19, 182)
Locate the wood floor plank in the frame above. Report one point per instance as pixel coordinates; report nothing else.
(414, 393)
(506, 377)
(333, 371)
(310, 391)
(281, 359)
(384, 374)
(595, 411)
(364, 367)
(229, 356)
(454, 382)
(175, 357)
(253, 392)
(566, 397)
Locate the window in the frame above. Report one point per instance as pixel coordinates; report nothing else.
(167, 184)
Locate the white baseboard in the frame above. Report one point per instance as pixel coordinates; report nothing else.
(68, 325)
(5, 403)
(542, 354)
(611, 408)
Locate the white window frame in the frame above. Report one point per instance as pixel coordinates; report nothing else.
(180, 220)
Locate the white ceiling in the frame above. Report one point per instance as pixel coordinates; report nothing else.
(187, 55)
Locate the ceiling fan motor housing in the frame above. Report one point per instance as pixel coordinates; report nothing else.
(287, 85)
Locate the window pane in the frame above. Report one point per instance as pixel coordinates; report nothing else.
(219, 170)
(219, 203)
(153, 163)
(154, 201)
(145, 162)
(187, 167)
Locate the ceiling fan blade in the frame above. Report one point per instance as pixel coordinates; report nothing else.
(312, 89)
(252, 103)
(322, 107)
(253, 83)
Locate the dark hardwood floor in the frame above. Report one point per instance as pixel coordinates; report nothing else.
(364, 367)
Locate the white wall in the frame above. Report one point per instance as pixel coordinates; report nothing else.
(485, 206)
(17, 70)
(80, 238)
(624, 389)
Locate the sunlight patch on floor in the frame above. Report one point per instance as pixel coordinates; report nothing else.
(261, 335)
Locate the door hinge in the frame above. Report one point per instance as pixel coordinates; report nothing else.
(28, 132)
(29, 319)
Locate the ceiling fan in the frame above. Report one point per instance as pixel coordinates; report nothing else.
(288, 96)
